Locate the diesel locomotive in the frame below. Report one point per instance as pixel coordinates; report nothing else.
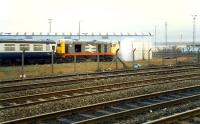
(40, 52)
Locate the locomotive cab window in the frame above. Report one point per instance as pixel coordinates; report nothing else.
(58, 45)
(53, 48)
(77, 48)
(9, 47)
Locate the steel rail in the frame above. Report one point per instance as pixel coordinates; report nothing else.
(66, 94)
(102, 105)
(91, 73)
(140, 109)
(176, 117)
(6, 89)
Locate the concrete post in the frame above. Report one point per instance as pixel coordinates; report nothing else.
(74, 63)
(52, 62)
(133, 57)
(22, 65)
(198, 56)
(149, 56)
(116, 59)
(98, 67)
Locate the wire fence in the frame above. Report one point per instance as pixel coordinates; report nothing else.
(144, 58)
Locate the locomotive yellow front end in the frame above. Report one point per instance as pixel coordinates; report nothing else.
(60, 50)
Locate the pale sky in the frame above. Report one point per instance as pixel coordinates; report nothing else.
(102, 16)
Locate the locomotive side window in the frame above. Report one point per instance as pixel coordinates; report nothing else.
(99, 48)
(9, 47)
(66, 48)
(24, 47)
(105, 48)
(38, 47)
(77, 48)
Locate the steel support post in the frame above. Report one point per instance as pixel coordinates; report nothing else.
(149, 57)
(74, 63)
(133, 57)
(98, 67)
(22, 65)
(52, 62)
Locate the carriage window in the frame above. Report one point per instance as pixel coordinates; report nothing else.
(47, 47)
(9, 47)
(24, 47)
(99, 48)
(38, 47)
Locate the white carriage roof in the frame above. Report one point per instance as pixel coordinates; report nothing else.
(27, 41)
(82, 34)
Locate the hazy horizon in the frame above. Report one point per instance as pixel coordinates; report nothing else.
(102, 16)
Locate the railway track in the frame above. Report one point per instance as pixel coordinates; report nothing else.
(28, 100)
(178, 117)
(6, 89)
(111, 110)
(91, 74)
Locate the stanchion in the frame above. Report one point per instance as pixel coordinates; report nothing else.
(149, 56)
(116, 59)
(176, 56)
(74, 63)
(98, 67)
(198, 56)
(22, 66)
(52, 62)
(133, 58)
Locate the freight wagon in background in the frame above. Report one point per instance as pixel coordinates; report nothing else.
(67, 50)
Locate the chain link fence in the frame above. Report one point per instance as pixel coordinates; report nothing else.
(145, 58)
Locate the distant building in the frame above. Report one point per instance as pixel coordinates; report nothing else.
(83, 36)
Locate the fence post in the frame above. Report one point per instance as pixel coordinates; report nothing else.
(198, 56)
(22, 62)
(149, 56)
(74, 63)
(116, 59)
(52, 62)
(98, 68)
(163, 56)
(176, 56)
(133, 57)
